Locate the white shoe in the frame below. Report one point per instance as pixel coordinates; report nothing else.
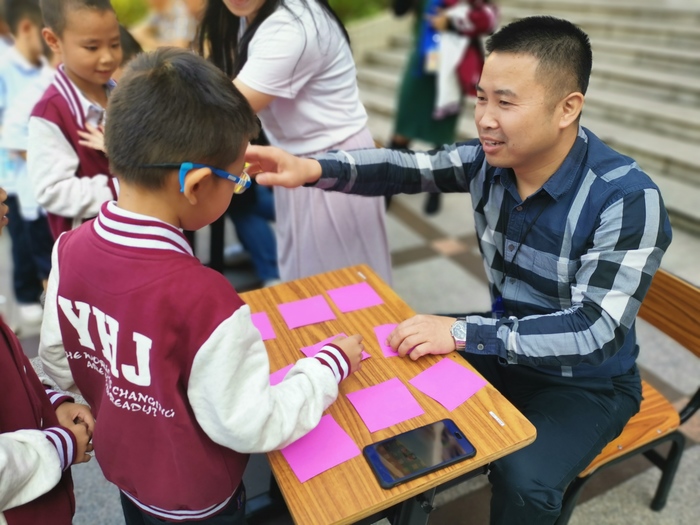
(31, 314)
(235, 254)
(271, 282)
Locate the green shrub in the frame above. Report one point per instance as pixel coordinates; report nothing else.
(130, 11)
(349, 10)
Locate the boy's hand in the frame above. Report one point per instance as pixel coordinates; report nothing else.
(70, 414)
(353, 348)
(275, 167)
(82, 440)
(93, 138)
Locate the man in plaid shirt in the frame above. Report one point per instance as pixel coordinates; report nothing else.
(571, 233)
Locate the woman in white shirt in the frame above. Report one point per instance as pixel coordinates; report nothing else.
(292, 61)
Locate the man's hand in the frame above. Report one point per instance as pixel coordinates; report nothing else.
(70, 414)
(422, 335)
(353, 348)
(82, 440)
(275, 167)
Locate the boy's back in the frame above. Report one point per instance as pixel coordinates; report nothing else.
(162, 347)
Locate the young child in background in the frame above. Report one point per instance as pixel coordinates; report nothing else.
(178, 359)
(169, 23)
(71, 181)
(42, 433)
(21, 67)
(94, 137)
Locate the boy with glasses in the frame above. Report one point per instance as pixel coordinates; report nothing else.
(162, 347)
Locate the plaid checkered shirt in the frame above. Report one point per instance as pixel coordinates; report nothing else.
(572, 262)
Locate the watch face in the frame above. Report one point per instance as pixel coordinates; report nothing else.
(459, 330)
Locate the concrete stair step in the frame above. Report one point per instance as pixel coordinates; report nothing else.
(673, 164)
(662, 59)
(637, 111)
(678, 88)
(681, 13)
(597, 26)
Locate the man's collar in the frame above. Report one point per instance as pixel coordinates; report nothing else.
(561, 180)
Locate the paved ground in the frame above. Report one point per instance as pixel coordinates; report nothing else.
(437, 268)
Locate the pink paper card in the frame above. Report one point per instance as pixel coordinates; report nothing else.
(386, 404)
(310, 351)
(448, 383)
(382, 332)
(264, 326)
(325, 447)
(278, 377)
(355, 297)
(306, 311)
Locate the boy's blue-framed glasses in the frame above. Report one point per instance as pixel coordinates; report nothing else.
(242, 181)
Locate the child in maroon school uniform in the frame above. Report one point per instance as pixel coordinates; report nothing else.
(42, 433)
(72, 181)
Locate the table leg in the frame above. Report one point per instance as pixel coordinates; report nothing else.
(416, 510)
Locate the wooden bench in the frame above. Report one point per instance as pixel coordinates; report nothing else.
(673, 306)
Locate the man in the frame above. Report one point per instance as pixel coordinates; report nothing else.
(571, 233)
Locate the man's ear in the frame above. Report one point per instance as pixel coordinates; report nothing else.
(195, 181)
(571, 106)
(51, 40)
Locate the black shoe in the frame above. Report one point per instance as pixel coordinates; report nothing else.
(432, 204)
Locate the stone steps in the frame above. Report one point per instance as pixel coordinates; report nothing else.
(597, 26)
(676, 174)
(644, 96)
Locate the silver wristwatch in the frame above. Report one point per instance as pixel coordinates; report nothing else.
(459, 333)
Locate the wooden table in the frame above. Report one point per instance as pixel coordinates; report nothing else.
(350, 492)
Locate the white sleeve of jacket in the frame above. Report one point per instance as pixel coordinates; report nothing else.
(51, 350)
(230, 393)
(51, 166)
(29, 467)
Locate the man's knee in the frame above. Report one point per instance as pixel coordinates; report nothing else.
(521, 481)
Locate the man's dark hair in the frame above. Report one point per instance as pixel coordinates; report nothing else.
(18, 10)
(172, 106)
(56, 11)
(563, 50)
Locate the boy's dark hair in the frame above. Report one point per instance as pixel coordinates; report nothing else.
(130, 47)
(172, 106)
(56, 11)
(563, 50)
(18, 10)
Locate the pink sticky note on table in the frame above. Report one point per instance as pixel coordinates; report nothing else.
(306, 311)
(355, 297)
(386, 404)
(382, 332)
(278, 377)
(325, 447)
(310, 351)
(448, 383)
(263, 324)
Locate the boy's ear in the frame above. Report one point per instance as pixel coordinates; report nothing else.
(51, 40)
(195, 181)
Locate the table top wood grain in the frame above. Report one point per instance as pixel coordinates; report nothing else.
(350, 491)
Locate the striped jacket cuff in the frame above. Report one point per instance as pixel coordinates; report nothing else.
(57, 398)
(65, 444)
(334, 358)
